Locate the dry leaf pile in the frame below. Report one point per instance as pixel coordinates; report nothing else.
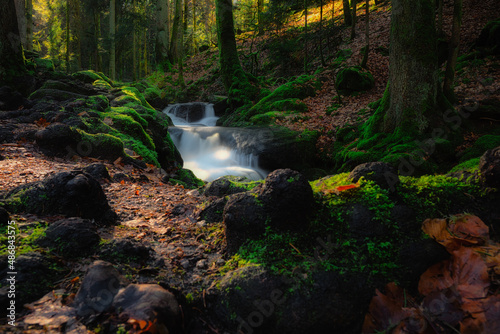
(458, 295)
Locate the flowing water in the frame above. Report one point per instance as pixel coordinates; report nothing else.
(208, 150)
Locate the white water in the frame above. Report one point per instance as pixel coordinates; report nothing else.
(203, 150)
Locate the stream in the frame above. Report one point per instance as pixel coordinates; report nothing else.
(212, 151)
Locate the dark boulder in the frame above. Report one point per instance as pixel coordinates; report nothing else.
(150, 303)
(73, 194)
(284, 202)
(126, 250)
(35, 277)
(100, 285)
(55, 94)
(213, 211)
(252, 300)
(489, 38)
(10, 99)
(383, 174)
(71, 237)
(226, 185)
(98, 171)
(489, 167)
(288, 199)
(361, 223)
(58, 140)
(244, 218)
(354, 79)
(4, 217)
(7, 134)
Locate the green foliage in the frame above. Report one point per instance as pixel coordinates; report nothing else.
(26, 236)
(187, 179)
(471, 165)
(481, 145)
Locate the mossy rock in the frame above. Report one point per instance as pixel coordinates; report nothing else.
(68, 87)
(187, 179)
(132, 113)
(55, 94)
(101, 145)
(127, 125)
(46, 64)
(134, 93)
(354, 79)
(97, 102)
(90, 76)
(490, 37)
(123, 100)
(101, 84)
(481, 145)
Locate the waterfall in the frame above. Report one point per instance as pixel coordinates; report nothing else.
(210, 151)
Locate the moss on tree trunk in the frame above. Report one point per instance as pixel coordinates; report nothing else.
(411, 98)
(11, 55)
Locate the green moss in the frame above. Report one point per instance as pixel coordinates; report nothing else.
(102, 145)
(129, 112)
(136, 95)
(90, 76)
(471, 165)
(101, 84)
(127, 125)
(354, 79)
(187, 179)
(97, 102)
(483, 144)
(125, 99)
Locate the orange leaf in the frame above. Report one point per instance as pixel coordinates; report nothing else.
(347, 187)
(122, 182)
(137, 192)
(74, 280)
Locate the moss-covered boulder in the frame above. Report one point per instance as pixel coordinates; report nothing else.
(73, 194)
(186, 178)
(484, 143)
(90, 76)
(54, 94)
(354, 79)
(229, 185)
(489, 38)
(489, 166)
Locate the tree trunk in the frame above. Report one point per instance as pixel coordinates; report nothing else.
(29, 25)
(440, 18)
(97, 35)
(195, 44)
(260, 9)
(305, 37)
(163, 35)
(67, 37)
(411, 95)
(11, 54)
(176, 28)
(347, 13)
(449, 76)
(353, 27)
(21, 21)
(367, 34)
(112, 31)
(228, 55)
(322, 56)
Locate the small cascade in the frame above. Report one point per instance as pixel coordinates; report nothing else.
(208, 150)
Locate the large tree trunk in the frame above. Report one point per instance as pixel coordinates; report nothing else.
(367, 34)
(112, 51)
(21, 21)
(260, 9)
(411, 94)
(347, 13)
(353, 27)
(11, 54)
(228, 55)
(29, 25)
(163, 34)
(67, 37)
(176, 29)
(449, 76)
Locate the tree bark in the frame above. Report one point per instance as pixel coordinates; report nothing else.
(411, 95)
(347, 13)
(176, 29)
(163, 34)
(11, 54)
(353, 27)
(305, 36)
(449, 76)
(228, 55)
(67, 36)
(29, 25)
(367, 34)
(260, 9)
(21, 21)
(112, 32)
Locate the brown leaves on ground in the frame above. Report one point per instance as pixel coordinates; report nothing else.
(457, 295)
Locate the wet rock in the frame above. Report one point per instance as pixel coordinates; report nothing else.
(10, 99)
(383, 174)
(244, 218)
(100, 285)
(126, 250)
(226, 185)
(73, 194)
(251, 299)
(284, 202)
(98, 171)
(214, 210)
(55, 94)
(35, 277)
(4, 217)
(71, 237)
(489, 167)
(58, 140)
(118, 177)
(7, 133)
(288, 199)
(150, 303)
